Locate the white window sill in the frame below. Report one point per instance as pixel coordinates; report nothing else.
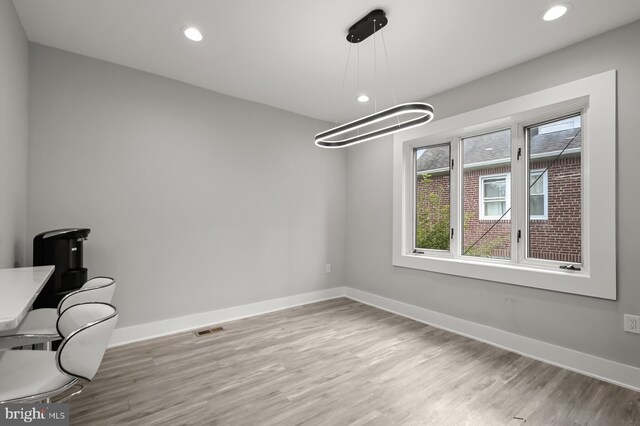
(504, 271)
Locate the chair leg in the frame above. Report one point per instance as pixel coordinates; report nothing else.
(66, 398)
(47, 347)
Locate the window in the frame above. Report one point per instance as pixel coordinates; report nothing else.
(556, 160)
(495, 201)
(494, 198)
(538, 201)
(486, 194)
(432, 197)
(502, 193)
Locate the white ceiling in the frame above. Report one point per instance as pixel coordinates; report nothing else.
(291, 54)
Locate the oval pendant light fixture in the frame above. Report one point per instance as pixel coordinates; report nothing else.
(338, 137)
(327, 139)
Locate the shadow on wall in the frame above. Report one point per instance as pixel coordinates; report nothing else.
(18, 254)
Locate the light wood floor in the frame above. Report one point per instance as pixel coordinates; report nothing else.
(340, 362)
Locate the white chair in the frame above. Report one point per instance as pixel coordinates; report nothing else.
(29, 376)
(39, 325)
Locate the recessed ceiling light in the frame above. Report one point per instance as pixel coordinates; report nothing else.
(488, 149)
(555, 12)
(192, 34)
(363, 98)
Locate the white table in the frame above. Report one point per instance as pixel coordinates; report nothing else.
(19, 287)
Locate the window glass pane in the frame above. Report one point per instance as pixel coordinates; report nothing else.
(495, 208)
(555, 155)
(560, 125)
(536, 205)
(537, 185)
(432, 197)
(495, 187)
(486, 203)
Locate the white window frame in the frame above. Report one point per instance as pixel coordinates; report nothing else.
(481, 197)
(545, 195)
(595, 98)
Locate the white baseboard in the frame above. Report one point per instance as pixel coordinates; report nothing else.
(603, 369)
(136, 333)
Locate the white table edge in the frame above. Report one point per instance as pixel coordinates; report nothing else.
(7, 325)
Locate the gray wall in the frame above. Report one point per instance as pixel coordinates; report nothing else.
(586, 324)
(196, 201)
(14, 92)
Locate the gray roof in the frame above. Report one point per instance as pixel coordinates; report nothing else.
(494, 147)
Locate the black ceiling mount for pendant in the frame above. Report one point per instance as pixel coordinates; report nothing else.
(364, 27)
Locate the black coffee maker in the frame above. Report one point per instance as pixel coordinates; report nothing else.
(63, 249)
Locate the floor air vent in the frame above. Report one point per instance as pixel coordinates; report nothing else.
(212, 330)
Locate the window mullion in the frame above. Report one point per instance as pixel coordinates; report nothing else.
(455, 197)
(519, 194)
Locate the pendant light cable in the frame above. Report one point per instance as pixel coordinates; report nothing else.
(344, 79)
(386, 57)
(358, 84)
(375, 92)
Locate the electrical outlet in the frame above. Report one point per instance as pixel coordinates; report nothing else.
(327, 268)
(632, 323)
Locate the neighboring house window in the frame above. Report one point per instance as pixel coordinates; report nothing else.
(494, 197)
(501, 193)
(538, 199)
